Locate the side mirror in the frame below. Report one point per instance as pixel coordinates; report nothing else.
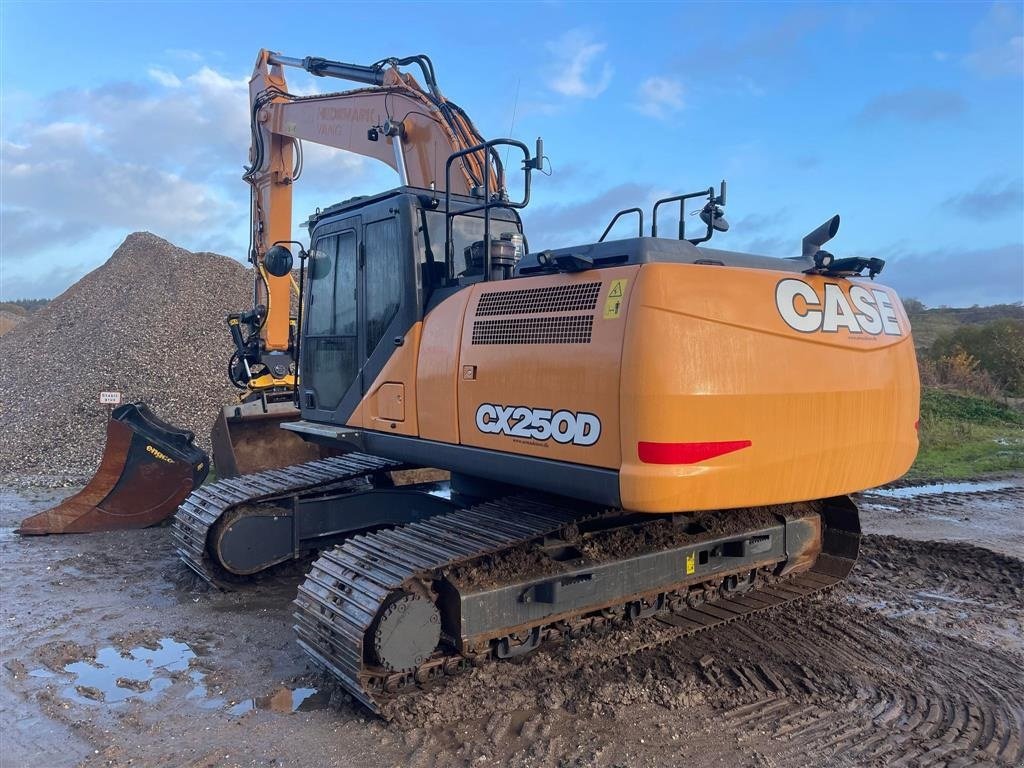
(278, 261)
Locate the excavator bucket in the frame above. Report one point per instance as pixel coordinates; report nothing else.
(248, 438)
(147, 470)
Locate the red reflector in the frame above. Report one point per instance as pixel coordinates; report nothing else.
(917, 425)
(686, 453)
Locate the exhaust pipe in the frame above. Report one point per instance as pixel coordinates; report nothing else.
(820, 236)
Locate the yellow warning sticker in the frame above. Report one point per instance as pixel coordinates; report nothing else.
(691, 563)
(616, 296)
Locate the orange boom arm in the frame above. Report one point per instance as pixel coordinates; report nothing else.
(395, 121)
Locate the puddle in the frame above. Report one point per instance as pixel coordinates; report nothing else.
(883, 507)
(199, 695)
(283, 700)
(914, 491)
(946, 598)
(925, 609)
(115, 676)
(7, 534)
(41, 672)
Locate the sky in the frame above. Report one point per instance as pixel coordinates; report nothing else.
(907, 119)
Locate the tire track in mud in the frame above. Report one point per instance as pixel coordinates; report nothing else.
(857, 687)
(804, 707)
(863, 676)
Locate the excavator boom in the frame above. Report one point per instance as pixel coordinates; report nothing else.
(397, 121)
(411, 128)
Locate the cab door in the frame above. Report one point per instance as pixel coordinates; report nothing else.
(363, 300)
(332, 333)
(384, 274)
(391, 309)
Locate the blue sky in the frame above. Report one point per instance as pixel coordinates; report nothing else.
(907, 119)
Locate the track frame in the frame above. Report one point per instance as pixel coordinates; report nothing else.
(349, 587)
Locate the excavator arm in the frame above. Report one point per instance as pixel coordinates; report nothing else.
(410, 127)
(148, 465)
(396, 120)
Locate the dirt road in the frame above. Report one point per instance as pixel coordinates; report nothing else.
(114, 655)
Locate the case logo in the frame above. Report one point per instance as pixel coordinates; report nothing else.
(538, 423)
(866, 310)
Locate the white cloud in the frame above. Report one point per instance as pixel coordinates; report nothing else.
(576, 70)
(938, 278)
(164, 154)
(164, 78)
(184, 54)
(564, 223)
(749, 86)
(659, 97)
(998, 43)
(64, 173)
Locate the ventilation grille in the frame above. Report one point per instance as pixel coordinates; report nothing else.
(569, 329)
(554, 298)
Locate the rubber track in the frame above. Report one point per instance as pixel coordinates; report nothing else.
(207, 504)
(348, 585)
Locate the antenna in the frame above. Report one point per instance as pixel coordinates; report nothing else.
(511, 128)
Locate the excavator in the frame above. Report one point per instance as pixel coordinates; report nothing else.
(644, 429)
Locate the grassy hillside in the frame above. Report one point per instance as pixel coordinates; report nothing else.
(964, 436)
(929, 324)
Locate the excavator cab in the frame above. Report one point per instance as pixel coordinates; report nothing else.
(376, 266)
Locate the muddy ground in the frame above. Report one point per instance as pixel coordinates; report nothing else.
(113, 655)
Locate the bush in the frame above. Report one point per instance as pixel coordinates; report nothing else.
(964, 436)
(974, 357)
(959, 371)
(914, 306)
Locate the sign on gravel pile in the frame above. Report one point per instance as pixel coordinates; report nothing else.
(149, 324)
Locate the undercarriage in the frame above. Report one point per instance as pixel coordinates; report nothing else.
(413, 583)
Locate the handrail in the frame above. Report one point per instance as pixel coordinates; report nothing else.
(638, 211)
(709, 192)
(529, 165)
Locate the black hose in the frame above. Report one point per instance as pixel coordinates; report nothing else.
(298, 332)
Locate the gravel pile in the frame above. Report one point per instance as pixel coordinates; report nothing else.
(10, 320)
(149, 323)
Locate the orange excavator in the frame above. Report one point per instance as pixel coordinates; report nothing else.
(646, 429)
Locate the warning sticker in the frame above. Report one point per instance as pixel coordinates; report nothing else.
(691, 563)
(616, 296)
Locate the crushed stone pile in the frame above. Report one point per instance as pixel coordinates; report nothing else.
(149, 323)
(10, 320)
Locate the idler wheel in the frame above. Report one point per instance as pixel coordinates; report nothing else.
(407, 632)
